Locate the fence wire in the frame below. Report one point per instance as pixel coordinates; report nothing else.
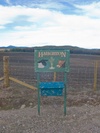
(81, 75)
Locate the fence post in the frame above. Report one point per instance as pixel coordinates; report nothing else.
(6, 71)
(95, 75)
(54, 76)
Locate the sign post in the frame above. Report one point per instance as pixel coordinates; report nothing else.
(54, 60)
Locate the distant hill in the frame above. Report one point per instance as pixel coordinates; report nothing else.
(73, 49)
(11, 46)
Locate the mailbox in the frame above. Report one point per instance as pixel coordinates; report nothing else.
(51, 88)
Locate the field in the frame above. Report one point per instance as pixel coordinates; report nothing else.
(79, 81)
(81, 73)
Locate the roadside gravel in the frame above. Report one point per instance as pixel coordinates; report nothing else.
(83, 119)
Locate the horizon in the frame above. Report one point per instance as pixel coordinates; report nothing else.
(9, 46)
(57, 23)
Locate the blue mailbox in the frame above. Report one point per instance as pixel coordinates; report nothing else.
(51, 88)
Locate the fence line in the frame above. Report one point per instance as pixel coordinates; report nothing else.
(7, 77)
(83, 73)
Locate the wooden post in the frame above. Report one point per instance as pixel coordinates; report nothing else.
(95, 75)
(6, 71)
(54, 76)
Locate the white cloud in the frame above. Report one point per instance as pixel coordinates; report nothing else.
(8, 14)
(21, 28)
(92, 10)
(50, 27)
(2, 27)
(52, 5)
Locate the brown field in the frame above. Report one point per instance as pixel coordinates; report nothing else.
(81, 73)
(80, 81)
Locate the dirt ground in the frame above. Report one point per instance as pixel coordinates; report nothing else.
(18, 112)
(16, 97)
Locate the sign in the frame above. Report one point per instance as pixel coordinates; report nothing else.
(54, 60)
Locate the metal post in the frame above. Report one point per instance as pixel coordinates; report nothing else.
(6, 71)
(38, 93)
(65, 92)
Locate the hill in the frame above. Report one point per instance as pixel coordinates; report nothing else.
(73, 49)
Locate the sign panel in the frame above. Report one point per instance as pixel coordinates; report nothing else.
(54, 60)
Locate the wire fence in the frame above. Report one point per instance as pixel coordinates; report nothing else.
(81, 76)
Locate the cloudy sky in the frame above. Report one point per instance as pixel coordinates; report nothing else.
(50, 22)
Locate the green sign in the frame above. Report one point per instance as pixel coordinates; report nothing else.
(54, 60)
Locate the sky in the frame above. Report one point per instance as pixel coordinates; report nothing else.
(50, 22)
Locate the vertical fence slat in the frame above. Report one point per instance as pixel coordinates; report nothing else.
(6, 71)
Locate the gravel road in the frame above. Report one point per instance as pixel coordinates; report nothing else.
(83, 119)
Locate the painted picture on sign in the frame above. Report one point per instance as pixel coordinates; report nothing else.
(51, 60)
(42, 63)
(61, 64)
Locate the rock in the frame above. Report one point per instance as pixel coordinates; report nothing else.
(31, 104)
(23, 106)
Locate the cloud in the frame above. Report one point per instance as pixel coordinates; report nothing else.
(2, 27)
(91, 10)
(49, 5)
(8, 14)
(44, 26)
